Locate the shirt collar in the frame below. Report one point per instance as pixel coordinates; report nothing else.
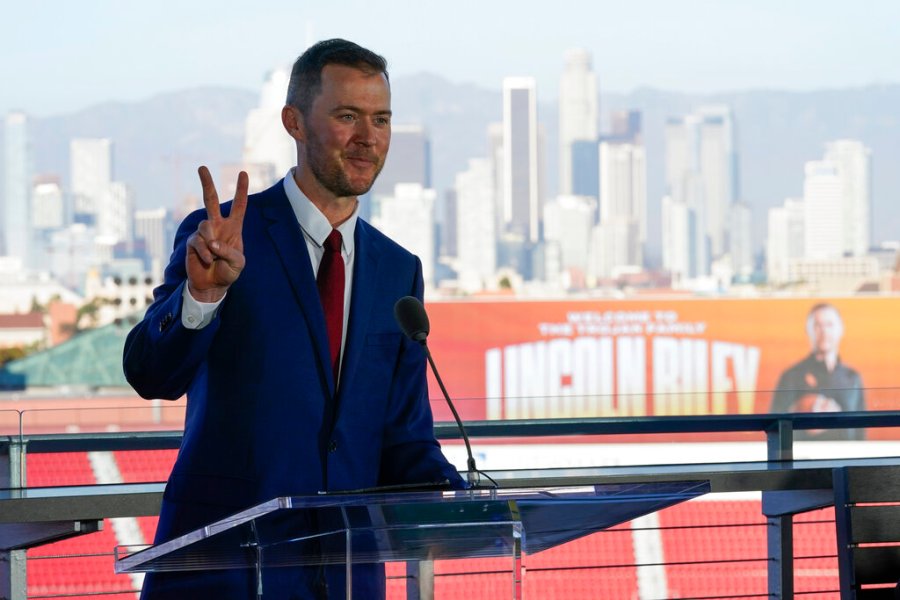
(313, 223)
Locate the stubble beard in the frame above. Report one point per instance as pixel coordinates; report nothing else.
(330, 175)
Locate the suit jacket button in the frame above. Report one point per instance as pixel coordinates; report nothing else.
(332, 446)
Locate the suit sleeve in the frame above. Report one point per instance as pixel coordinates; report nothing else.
(410, 452)
(161, 356)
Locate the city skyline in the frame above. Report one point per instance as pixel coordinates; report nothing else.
(700, 156)
(614, 245)
(88, 55)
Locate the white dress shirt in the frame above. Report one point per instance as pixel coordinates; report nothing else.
(315, 228)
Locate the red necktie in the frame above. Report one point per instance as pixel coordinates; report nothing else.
(330, 281)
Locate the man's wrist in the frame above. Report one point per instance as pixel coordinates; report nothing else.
(209, 296)
(195, 313)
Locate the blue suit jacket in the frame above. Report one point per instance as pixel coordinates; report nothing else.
(263, 418)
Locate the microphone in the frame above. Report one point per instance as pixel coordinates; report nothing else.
(413, 321)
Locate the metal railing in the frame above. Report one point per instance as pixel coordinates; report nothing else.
(777, 477)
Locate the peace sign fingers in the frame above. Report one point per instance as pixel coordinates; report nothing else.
(210, 196)
(215, 252)
(239, 204)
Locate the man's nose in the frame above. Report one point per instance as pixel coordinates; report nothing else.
(365, 133)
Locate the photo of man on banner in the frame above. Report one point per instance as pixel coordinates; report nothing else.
(821, 382)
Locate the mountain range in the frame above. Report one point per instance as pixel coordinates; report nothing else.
(159, 142)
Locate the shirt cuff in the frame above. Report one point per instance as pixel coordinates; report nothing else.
(196, 314)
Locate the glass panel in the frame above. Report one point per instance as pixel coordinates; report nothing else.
(98, 414)
(9, 422)
(406, 526)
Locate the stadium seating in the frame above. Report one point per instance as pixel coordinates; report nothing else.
(64, 468)
(139, 466)
(815, 554)
(714, 548)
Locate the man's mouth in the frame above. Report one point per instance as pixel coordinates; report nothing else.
(361, 161)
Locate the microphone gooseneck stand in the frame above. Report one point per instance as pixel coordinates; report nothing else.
(413, 321)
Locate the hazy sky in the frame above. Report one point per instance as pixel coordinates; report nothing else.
(60, 56)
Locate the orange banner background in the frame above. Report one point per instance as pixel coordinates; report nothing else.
(772, 330)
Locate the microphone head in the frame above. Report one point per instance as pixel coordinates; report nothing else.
(412, 318)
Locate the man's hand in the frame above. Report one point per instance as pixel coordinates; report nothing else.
(215, 252)
(813, 402)
(825, 404)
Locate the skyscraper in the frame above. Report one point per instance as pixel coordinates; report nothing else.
(115, 213)
(151, 228)
(495, 155)
(823, 210)
(409, 160)
(578, 111)
(407, 217)
(16, 207)
(853, 161)
(679, 236)
(684, 247)
(568, 221)
(450, 225)
(701, 171)
(615, 247)
(99, 201)
(585, 168)
(476, 232)
(521, 184)
(265, 140)
(718, 165)
(72, 253)
(90, 164)
(740, 241)
(48, 215)
(785, 241)
(625, 126)
(618, 239)
(623, 188)
(48, 209)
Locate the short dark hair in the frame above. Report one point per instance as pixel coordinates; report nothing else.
(306, 75)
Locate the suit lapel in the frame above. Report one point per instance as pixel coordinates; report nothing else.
(365, 281)
(290, 246)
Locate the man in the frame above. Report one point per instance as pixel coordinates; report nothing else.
(276, 319)
(821, 382)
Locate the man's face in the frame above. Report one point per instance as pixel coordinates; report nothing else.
(348, 130)
(826, 331)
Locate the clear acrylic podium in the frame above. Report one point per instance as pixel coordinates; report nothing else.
(353, 529)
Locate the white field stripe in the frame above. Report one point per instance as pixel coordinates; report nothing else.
(648, 554)
(126, 529)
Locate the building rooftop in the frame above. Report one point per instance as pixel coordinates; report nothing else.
(90, 359)
(21, 320)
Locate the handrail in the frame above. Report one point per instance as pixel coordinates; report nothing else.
(806, 482)
(670, 424)
(78, 442)
(100, 441)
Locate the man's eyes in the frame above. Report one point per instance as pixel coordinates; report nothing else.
(380, 121)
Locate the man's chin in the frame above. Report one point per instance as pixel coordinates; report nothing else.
(348, 188)
(359, 190)
(361, 185)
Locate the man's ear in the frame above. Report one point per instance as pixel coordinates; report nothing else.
(292, 120)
